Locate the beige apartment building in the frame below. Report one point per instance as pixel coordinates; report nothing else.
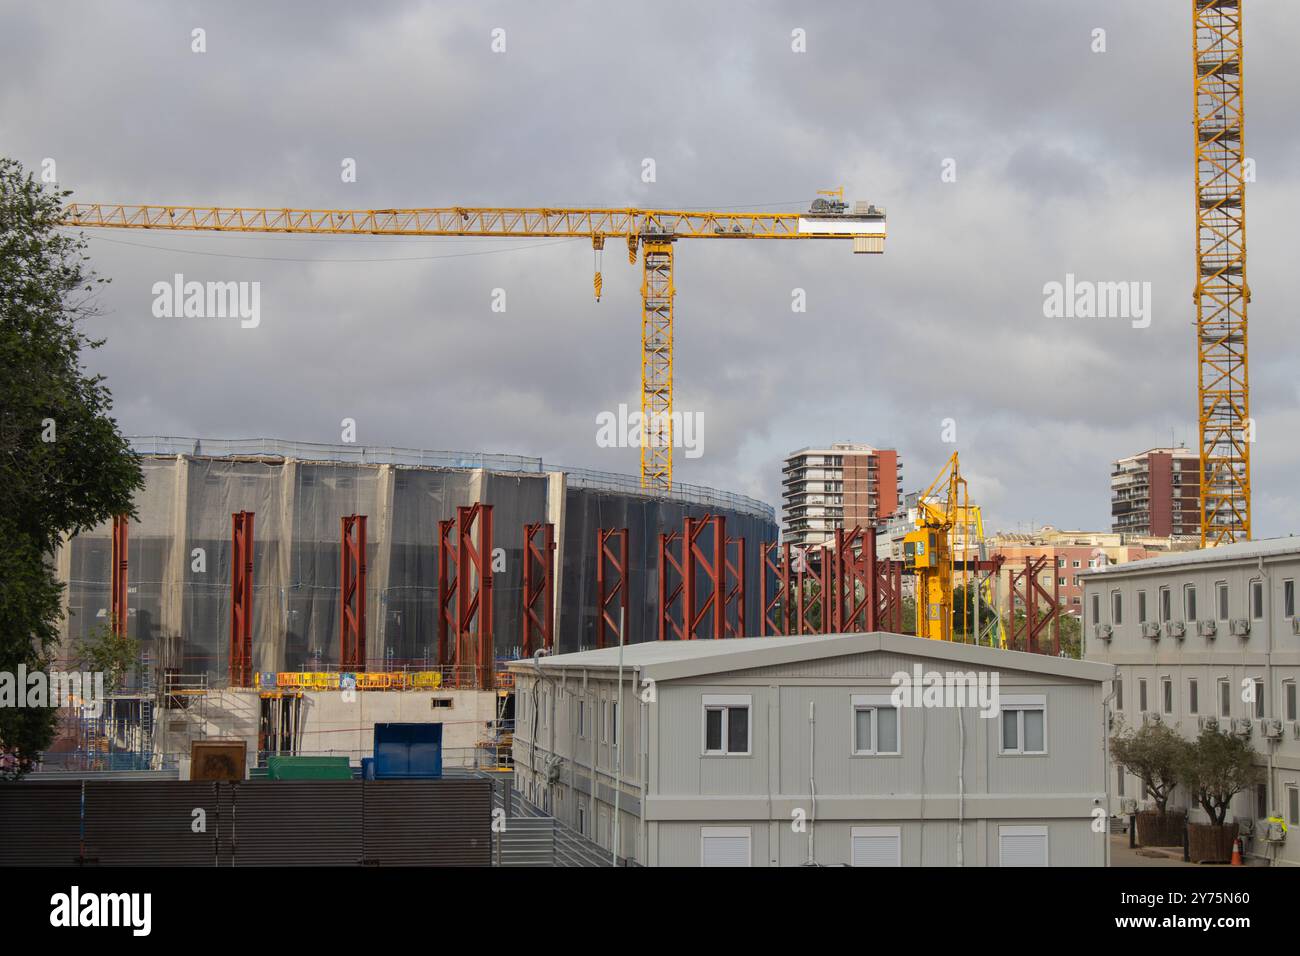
(842, 486)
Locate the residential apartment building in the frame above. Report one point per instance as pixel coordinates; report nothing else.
(1156, 493)
(1069, 555)
(791, 751)
(1210, 637)
(841, 486)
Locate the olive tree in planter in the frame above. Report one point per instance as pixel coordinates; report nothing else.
(1215, 768)
(1153, 753)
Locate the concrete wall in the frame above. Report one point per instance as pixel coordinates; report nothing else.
(1271, 653)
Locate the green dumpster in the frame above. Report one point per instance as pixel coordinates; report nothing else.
(308, 768)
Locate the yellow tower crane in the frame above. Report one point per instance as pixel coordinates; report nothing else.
(1221, 294)
(928, 550)
(652, 231)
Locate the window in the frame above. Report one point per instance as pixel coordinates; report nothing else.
(1060, 563)
(1142, 694)
(613, 726)
(1116, 608)
(1119, 788)
(1289, 693)
(1024, 725)
(604, 721)
(1261, 800)
(1119, 693)
(1225, 697)
(726, 724)
(1061, 581)
(876, 846)
(1166, 605)
(875, 725)
(1293, 805)
(582, 816)
(1221, 599)
(1189, 602)
(1257, 600)
(1288, 599)
(1074, 564)
(1022, 846)
(1167, 695)
(582, 717)
(1193, 696)
(1259, 701)
(724, 846)
(439, 702)
(1142, 607)
(1096, 609)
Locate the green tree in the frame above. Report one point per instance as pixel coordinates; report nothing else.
(64, 467)
(1152, 753)
(114, 655)
(1215, 768)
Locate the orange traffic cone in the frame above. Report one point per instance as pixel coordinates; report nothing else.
(1236, 852)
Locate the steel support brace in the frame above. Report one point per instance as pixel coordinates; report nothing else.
(815, 600)
(704, 595)
(734, 588)
(537, 624)
(888, 595)
(352, 594)
(448, 585)
(1027, 591)
(611, 583)
(774, 579)
(671, 564)
(657, 292)
(474, 644)
(241, 599)
(853, 581)
(117, 616)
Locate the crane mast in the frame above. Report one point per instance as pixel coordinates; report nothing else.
(651, 231)
(1222, 293)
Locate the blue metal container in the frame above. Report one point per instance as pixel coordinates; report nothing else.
(408, 751)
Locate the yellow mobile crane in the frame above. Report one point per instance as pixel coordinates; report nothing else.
(652, 231)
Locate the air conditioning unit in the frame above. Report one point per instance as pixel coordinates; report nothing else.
(1207, 628)
(1245, 826)
(1210, 722)
(1241, 627)
(1176, 629)
(1295, 729)
(1151, 629)
(1295, 625)
(1272, 831)
(1272, 729)
(1103, 632)
(1130, 806)
(1151, 717)
(1241, 726)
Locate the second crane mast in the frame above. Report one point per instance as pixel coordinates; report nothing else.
(652, 231)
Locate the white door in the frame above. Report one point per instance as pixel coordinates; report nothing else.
(877, 846)
(1022, 846)
(724, 846)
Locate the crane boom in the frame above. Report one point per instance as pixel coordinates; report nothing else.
(653, 231)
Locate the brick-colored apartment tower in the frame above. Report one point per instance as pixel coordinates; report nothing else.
(1156, 493)
(841, 486)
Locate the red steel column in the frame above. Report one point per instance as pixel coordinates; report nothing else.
(734, 578)
(241, 599)
(611, 562)
(537, 624)
(352, 594)
(448, 584)
(117, 613)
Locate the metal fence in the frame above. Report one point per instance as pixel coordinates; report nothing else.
(251, 823)
(414, 457)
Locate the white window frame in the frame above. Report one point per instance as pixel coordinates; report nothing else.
(1189, 591)
(1292, 800)
(895, 832)
(728, 833)
(1290, 700)
(1288, 598)
(1256, 614)
(604, 721)
(582, 815)
(1165, 598)
(1193, 695)
(1222, 597)
(582, 719)
(1116, 607)
(1012, 831)
(874, 702)
(1220, 684)
(724, 702)
(1166, 695)
(1021, 703)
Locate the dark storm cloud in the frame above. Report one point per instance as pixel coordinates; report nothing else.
(1068, 161)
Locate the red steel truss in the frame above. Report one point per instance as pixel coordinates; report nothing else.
(537, 623)
(1027, 592)
(775, 567)
(734, 587)
(671, 559)
(853, 581)
(352, 594)
(611, 583)
(807, 599)
(118, 574)
(703, 570)
(241, 599)
(465, 599)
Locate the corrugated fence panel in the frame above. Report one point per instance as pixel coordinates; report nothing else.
(40, 824)
(428, 822)
(140, 823)
(528, 841)
(297, 823)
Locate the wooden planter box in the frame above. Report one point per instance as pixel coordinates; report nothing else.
(1211, 844)
(1153, 829)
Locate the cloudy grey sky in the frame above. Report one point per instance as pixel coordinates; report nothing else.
(1068, 161)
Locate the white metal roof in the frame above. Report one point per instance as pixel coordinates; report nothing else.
(1241, 551)
(668, 660)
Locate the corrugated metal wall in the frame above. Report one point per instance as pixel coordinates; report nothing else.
(254, 823)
